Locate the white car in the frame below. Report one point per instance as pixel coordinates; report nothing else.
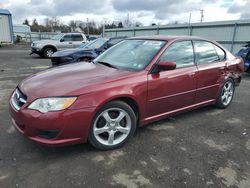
(62, 41)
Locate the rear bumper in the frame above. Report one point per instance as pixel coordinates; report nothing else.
(69, 126)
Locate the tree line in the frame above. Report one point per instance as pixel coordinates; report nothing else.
(53, 24)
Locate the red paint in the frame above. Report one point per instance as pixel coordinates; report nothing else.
(157, 95)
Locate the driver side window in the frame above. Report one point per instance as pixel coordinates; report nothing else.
(181, 53)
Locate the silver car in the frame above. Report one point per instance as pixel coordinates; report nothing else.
(62, 41)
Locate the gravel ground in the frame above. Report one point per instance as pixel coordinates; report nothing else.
(207, 147)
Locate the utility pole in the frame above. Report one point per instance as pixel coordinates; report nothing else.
(202, 15)
(88, 25)
(190, 16)
(128, 20)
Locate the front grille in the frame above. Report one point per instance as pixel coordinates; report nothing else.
(18, 99)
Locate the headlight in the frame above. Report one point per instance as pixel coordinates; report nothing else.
(38, 44)
(52, 104)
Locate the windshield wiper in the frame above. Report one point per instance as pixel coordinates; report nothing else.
(107, 64)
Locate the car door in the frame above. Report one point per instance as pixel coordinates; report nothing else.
(211, 63)
(77, 40)
(173, 89)
(66, 42)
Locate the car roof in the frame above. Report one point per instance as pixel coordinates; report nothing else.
(168, 37)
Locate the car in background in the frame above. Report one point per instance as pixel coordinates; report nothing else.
(245, 54)
(138, 81)
(92, 37)
(86, 52)
(62, 41)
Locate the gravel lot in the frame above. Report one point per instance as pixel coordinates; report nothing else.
(203, 148)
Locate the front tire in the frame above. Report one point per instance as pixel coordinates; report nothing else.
(226, 94)
(112, 126)
(47, 52)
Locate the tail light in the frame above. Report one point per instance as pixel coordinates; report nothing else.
(240, 64)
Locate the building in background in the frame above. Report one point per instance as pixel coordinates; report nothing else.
(21, 32)
(6, 27)
(20, 28)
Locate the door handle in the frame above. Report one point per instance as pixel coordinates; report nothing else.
(192, 74)
(70, 42)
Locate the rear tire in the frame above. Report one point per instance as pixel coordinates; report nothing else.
(226, 94)
(113, 125)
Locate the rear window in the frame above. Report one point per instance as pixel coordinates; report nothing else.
(205, 52)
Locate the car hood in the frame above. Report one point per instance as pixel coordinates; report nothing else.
(70, 51)
(70, 80)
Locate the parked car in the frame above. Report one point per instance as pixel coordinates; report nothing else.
(62, 41)
(245, 54)
(93, 37)
(138, 81)
(84, 53)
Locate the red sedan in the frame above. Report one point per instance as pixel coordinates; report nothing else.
(137, 81)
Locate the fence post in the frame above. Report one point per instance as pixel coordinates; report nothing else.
(134, 31)
(157, 32)
(233, 38)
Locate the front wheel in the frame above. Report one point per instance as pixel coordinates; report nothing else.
(226, 94)
(112, 126)
(48, 52)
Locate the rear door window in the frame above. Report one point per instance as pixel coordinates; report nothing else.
(67, 37)
(205, 52)
(220, 52)
(181, 53)
(77, 37)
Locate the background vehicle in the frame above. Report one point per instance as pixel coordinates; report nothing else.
(245, 54)
(85, 53)
(62, 41)
(136, 82)
(92, 37)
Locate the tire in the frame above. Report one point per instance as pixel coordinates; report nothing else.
(226, 94)
(113, 125)
(47, 52)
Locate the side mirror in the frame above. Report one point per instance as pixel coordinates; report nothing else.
(62, 40)
(167, 65)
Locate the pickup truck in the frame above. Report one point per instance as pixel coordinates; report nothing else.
(62, 41)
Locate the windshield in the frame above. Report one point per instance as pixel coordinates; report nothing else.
(57, 37)
(97, 43)
(132, 55)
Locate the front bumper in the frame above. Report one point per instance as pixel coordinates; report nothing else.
(247, 66)
(67, 126)
(35, 50)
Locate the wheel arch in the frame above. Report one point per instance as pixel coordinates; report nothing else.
(129, 100)
(49, 46)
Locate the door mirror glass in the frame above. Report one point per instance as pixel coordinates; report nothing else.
(167, 65)
(62, 40)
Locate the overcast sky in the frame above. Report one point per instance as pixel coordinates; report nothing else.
(144, 11)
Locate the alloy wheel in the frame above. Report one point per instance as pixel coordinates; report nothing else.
(112, 126)
(227, 93)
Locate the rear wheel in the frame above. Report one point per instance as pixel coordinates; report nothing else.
(47, 52)
(113, 125)
(226, 94)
